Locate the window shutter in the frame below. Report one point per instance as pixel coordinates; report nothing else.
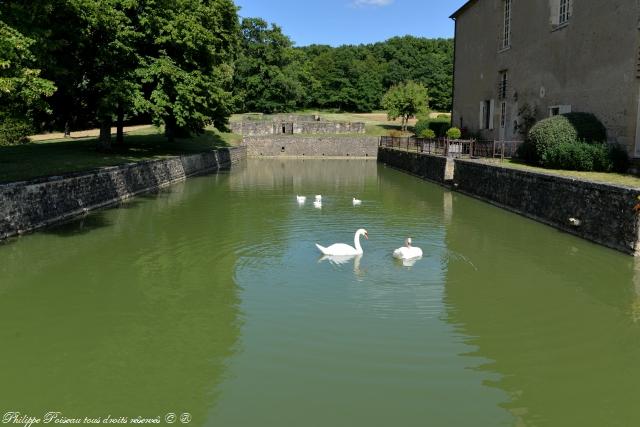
(481, 122)
(554, 5)
(492, 112)
(570, 6)
(564, 109)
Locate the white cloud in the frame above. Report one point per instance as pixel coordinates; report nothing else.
(373, 3)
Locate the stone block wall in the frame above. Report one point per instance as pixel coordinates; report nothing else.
(605, 212)
(311, 146)
(266, 128)
(426, 166)
(29, 205)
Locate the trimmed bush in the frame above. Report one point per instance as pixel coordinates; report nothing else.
(14, 131)
(427, 133)
(454, 133)
(582, 156)
(565, 129)
(438, 126)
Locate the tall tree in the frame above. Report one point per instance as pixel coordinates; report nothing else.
(22, 90)
(270, 74)
(405, 100)
(186, 62)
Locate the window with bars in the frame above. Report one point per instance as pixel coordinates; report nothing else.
(502, 85)
(506, 35)
(565, 12)
(503, 115)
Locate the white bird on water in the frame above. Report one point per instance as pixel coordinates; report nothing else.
(407, 251)
(301, 199)
(317, 204)
(341, 249)
(357, 202)
(318, 198)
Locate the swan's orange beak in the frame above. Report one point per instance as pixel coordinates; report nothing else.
(366, 235)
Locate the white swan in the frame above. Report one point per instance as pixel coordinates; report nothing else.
(357, 202)
(318, 198)
(317, 204)
(343, 249)
(407, 251)
(301, 199)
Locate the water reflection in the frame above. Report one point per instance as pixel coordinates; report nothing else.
(550, 312)
(127, 319)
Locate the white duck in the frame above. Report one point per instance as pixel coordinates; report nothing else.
(301, 199)
(407, 251)
(317, 204)
(342, 249)
(357, 202)
(318, 198)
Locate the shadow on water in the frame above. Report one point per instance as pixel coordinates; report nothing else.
(555, 316)
(82, 225)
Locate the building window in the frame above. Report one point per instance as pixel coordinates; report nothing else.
(556, 110)
(506, 35)
(502, 85)
(565, 13)
(503, 115)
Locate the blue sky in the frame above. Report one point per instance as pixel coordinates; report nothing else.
(337, 22)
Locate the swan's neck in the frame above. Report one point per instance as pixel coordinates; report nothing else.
(356, 242)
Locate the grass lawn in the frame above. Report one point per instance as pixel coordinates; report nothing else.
(59, 156)
(602, 177)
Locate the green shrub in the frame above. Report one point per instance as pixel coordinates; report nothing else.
(454, 133)
(583, 156)
(427, 133)
(14, 131)
(438, 126)
(565, 129)
(443, 116)
(619, 158)
(527, 152)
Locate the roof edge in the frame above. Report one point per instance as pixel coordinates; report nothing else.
(464, 7)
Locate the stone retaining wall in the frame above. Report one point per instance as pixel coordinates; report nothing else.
(265, 128)
(605, 212)
(426, 166)
(311, 146)
(29, 205)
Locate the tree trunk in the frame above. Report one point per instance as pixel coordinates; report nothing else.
(104, 141)
(170, 128)
(120, 125)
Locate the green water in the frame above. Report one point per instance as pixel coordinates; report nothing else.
(210, 298)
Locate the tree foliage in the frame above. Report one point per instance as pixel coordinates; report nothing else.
(405, 100)
(22, 90)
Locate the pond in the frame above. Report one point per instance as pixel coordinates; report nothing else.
(210, 299)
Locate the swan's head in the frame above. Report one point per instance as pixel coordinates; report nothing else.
(407, 242)
(363, 232)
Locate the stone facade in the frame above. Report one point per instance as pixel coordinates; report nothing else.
(29, 205)
(312, 146)
(426, 166)
(552, 55)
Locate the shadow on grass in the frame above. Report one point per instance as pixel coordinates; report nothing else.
(34, 160)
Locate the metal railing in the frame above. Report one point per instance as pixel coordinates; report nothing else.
(456, 148)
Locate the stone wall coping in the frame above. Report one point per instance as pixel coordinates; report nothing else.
(551, 176)
(104, 169)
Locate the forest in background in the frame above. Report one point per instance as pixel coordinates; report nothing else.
(184, 65)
